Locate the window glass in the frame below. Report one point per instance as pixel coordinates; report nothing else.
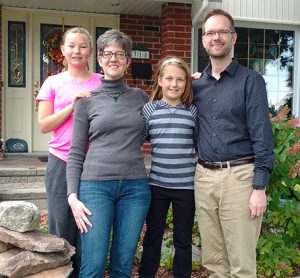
(50, 56)
(271, 54)
(16, 54)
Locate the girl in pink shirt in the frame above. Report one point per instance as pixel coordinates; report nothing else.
(56, 99)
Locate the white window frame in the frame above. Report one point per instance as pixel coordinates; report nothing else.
(296, 72)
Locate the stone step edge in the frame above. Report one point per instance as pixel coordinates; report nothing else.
(23, 185)
(10, 192)
(19, 172)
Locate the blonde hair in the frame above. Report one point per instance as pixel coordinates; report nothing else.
(75, 30)
(187, 96)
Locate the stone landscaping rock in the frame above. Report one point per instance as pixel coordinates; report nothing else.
(17, 262)
(60, 272)
(26, 251)
(3, 246)
(34, 241)
(19, 216)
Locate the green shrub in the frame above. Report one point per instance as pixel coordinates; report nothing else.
(278, 247)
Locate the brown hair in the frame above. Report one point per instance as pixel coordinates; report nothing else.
(113, 36)
(75, 30)
(187, 96)
(218, 12)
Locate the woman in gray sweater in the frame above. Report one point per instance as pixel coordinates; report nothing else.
(107, 182)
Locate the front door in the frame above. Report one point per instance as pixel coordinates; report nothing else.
(32, 54)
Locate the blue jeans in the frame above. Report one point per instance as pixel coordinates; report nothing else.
(118, 204)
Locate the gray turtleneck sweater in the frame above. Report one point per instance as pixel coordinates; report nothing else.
(107, 135)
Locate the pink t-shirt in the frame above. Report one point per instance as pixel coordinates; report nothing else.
(60, 89)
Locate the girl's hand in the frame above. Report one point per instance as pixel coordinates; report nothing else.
(196, 75)
(81, 94)
(80, 213)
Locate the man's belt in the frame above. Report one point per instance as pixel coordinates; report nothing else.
(225, 164)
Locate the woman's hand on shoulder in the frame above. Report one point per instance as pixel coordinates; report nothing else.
(80, 213)
(81, 94)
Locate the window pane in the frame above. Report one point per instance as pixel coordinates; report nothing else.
(203, 64)
(243, 62)
(256, 65)
(257, 36)
(272, 37)
(270, 53)
(51, 57)
(256, 50)
(242, 35)
(16, 54)
(99, 32)
(241, 50)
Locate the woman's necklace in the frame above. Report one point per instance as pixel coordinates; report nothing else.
(113, 95)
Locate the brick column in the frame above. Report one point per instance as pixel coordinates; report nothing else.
(143, 30)
(176, 30)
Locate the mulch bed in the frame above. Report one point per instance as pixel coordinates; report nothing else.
(162, 273)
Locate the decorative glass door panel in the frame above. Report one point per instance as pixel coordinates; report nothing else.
(51, 57)
(16, 54)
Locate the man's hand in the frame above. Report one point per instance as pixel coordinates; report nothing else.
(257, 203)
(196, 75)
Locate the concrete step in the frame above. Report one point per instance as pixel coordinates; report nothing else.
(34, 192)
(19, 175)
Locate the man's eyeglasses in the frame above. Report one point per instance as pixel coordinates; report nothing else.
(221, 33)
(119, 54)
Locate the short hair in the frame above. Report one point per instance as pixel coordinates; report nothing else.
(113, 36)
(218, 12)
(187, 96)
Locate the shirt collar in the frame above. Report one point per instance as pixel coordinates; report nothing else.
(231, 69)
(165, 104)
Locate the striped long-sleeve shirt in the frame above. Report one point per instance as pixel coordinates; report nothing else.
(171, 132)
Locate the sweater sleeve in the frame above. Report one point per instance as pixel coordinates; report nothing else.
(78, 148)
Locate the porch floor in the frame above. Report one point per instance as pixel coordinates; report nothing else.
(26, 161)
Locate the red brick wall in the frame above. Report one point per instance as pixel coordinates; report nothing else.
(176, 30)
(173, 36)
(137, 28)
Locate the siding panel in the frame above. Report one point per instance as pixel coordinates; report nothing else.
(273, 11)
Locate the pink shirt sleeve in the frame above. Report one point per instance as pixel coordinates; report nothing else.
(46, 91)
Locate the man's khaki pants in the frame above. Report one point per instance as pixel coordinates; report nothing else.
(229, 236)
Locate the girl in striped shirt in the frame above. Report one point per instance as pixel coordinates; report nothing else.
(170, 126)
